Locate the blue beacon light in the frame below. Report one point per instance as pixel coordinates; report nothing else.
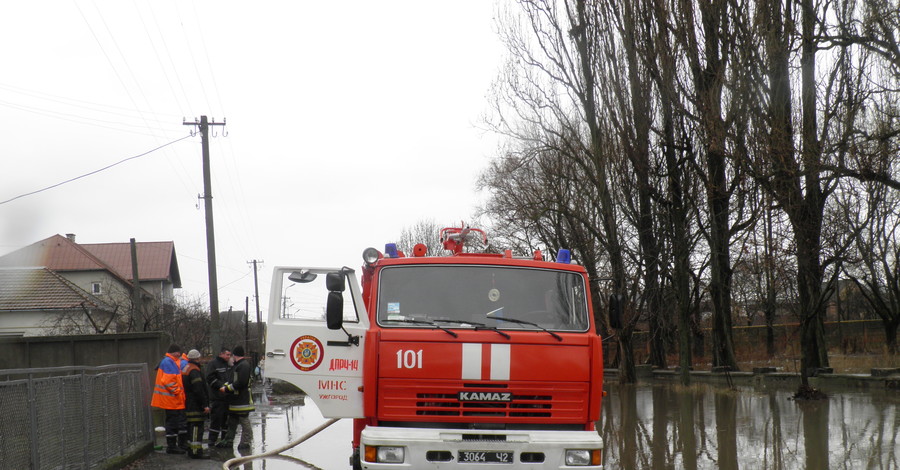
(564, 256)
(390, 250)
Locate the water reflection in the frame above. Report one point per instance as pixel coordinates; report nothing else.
(704, 427)
(280, 420)
(658, 427)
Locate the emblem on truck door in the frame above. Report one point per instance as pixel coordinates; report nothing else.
(307, 353)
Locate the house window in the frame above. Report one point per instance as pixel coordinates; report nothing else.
(96, 288)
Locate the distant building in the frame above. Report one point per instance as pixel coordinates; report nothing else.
(57, 286)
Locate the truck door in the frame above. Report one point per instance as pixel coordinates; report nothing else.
(300, 348)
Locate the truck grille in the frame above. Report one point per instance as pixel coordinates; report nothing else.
(407, 400)
(446, 404)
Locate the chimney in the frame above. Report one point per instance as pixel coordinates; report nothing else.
(71, 237)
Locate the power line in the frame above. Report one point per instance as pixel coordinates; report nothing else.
(162, 37)
(193, 60)
(78, 118)
(162, 67)
(84, 104)
(95, 171)
(125, 87)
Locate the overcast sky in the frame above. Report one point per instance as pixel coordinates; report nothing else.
(346, 122)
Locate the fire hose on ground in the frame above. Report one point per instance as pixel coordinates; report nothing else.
(247, 458)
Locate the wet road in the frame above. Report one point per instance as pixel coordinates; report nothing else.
(282, 419)
(276, 422)
(658, 427)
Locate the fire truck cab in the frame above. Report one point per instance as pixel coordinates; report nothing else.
(470, 360)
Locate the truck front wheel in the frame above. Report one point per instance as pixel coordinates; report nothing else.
(354, 460)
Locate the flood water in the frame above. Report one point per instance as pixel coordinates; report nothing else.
(707, 427)
(663, 427)
(279, 420)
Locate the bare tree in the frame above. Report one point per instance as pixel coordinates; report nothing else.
(548, 97)
(425, 231)
(539, 200)
(629, 106)
(619, 110)
(875, 268)
(87, 319)
(801, 171)
(189, 325)
(708, 62)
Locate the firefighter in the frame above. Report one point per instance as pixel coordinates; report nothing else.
(240, 403)
(196, 404)
(217, 374)
(168, 394)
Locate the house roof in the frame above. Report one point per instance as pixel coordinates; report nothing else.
(156, 260)
(57, 253)
(42, 289)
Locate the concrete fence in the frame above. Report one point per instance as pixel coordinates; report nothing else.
(31, 352)
(74, 417)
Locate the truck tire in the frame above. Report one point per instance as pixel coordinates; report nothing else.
(354, 460)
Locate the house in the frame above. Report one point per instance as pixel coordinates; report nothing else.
(96, 279)
(34, 301)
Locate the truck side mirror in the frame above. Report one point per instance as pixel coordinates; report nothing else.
(334, 310)
(334, 282)
(616, 305)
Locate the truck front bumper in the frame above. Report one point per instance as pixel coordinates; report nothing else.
(425, 448)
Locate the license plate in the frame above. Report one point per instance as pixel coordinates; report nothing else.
(473, 456)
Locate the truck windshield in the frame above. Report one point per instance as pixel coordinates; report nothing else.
(461, 296)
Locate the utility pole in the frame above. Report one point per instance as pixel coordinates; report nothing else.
(247, 324)
(135, 289)
(215, 334)
(259, 330)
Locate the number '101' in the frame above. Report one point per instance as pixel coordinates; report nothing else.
(409, 359)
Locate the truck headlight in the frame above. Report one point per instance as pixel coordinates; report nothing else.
(582, 457)
(384, 454)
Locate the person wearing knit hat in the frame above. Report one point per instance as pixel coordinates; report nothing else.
(196, 404)
(240, 402)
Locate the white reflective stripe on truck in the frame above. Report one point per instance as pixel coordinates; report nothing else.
(473, 361)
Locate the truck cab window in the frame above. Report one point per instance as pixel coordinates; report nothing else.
(307, 300)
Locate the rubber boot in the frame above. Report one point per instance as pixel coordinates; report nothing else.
(198, 454)
(213, 438)
(228, 439)
(172, 445)
(183, 441)
(195, 440)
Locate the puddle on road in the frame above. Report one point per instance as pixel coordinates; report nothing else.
(279, 420)
(660, 427)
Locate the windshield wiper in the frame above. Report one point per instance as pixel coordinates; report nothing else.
(423, 322)
(522, 322)
(477, 325)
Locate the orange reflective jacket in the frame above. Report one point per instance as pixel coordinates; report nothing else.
(168, 392)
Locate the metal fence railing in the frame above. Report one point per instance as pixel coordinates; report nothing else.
(73, 417)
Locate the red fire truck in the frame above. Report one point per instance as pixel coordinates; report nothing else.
(469, 360)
